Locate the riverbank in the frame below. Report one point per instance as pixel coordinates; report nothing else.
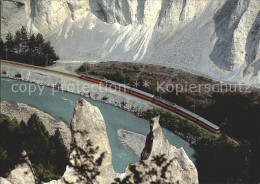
(132, 140)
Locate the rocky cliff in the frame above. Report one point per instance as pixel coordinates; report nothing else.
(214, 38)
(91, 157)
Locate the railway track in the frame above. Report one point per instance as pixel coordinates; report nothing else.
(39, 68)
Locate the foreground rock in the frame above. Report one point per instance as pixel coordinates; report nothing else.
(88, 125)
(91, 157)
(170, 164)
(22, 112)
(23, 173)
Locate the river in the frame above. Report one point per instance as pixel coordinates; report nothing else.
(61, 106)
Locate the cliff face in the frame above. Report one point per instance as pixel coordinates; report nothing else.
(91, 157)
(219, 39)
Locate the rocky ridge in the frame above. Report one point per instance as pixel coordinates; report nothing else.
(88, 126)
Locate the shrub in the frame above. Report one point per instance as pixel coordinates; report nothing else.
(85, 67)
(18, 75)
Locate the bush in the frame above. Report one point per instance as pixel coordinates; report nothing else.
(85, 67)
(18, 75)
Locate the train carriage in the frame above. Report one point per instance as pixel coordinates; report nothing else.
(142, 94)
(164, 103)
(209, 125)
(118, 86)
(92, 78)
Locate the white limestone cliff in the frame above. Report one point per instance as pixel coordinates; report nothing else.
(219, 39)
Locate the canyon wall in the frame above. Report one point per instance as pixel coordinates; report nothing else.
(218, 39)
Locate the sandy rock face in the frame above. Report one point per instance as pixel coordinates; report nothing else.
(221, 37)
(88, 124)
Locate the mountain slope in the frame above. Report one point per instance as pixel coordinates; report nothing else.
(219, 39)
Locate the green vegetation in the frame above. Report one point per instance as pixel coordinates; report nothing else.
(85, 67)
(117, 76)
(218, 159)
(47, 153)
(27, 48)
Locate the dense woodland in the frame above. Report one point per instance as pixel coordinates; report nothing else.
(27, 48)
(219, 160)
(47, 154)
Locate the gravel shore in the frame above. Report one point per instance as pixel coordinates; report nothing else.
(132, 140)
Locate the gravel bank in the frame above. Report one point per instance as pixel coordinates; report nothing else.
(132, 140)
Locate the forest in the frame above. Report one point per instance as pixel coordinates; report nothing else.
(47, 153)
(24, 47)
(219, 159)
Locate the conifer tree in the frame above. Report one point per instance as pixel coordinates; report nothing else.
(24, 40)
(32, 45)
(1, 45)
(9, 41)
(39, 43)
(17, 41)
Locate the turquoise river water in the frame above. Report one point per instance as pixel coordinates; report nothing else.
(60, 106)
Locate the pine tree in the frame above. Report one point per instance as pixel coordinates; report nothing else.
(24, 40)
(1, 46)
(59, 152)
(17, 41)
(39, 43)
(49, 53)
(32, 45)
(9, 41)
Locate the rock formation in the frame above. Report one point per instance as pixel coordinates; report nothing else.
(88, 125)
(22, 174)
(219, 39)
(170, 164)
(91, 157)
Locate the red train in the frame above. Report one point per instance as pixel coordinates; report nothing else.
(159, 101)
